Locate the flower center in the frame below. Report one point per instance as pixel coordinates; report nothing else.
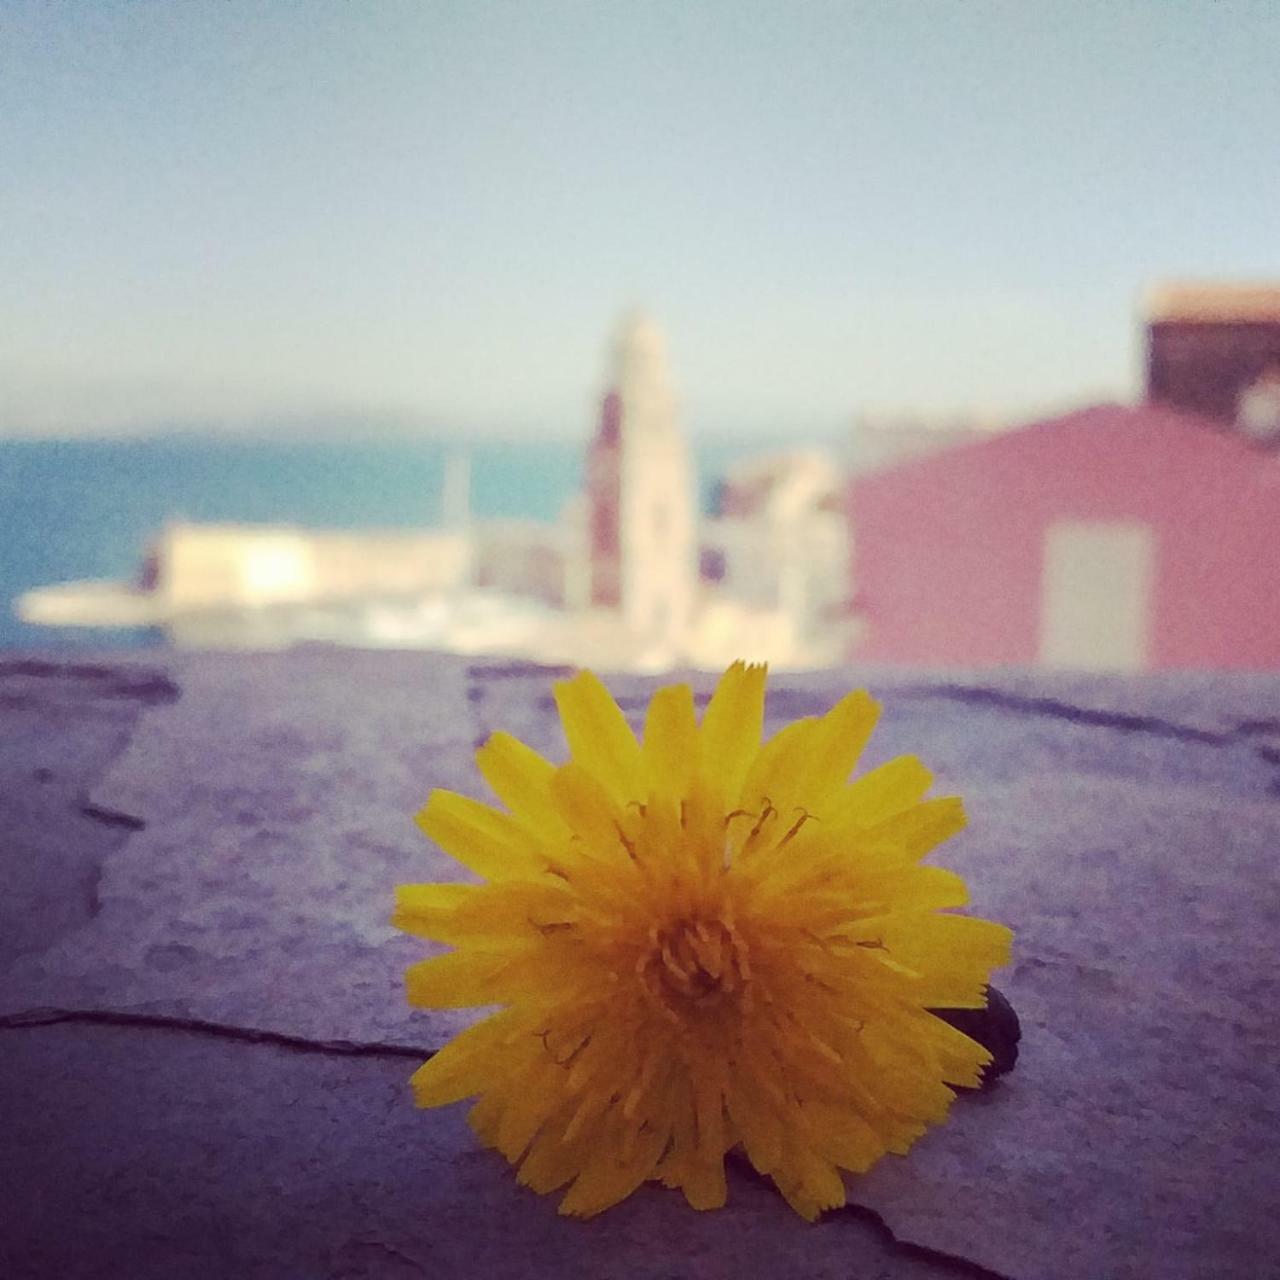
(691, 964)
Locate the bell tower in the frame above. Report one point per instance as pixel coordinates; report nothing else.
(640, 490)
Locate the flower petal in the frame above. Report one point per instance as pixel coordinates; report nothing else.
(881, 793)
(611, 1176)
(490, 843)
(955, 955)
(917, 830)
(465, 1066)
(599, 737)
(471, 976)
(670, 748)
(703, 1184)
(587, 806)
(550, 1161)
(815, 757)
(520, 778)
(427, 910)
(731, 728)
(529, 1101)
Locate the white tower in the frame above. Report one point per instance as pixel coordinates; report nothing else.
(640, 483)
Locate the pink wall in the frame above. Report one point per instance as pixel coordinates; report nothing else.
(948, 548)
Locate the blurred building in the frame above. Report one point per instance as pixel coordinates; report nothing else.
(1113, 538)
(879, 439)
(1214, 349)
(613, 583)
(206, 579)
(641, 514)
(779, 545)
(195, 567)
(773, 560)
(526, 558)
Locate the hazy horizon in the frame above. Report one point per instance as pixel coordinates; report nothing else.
(374, 429)
(222, 215)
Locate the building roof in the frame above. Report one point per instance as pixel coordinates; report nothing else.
(1107, 426)
(1244, 303)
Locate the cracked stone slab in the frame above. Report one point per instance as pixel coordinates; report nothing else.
(271, 814)
(61, 724)
(1126, 828)
(151, 1154)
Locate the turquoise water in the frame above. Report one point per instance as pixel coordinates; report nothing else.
(86, 509)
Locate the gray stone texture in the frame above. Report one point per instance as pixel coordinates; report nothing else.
(204, 1045)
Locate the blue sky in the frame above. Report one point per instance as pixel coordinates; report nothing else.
(223, 213)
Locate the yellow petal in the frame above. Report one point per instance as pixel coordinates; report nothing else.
(799, 1199)
(817, 756)
(462, 978)
(488, 842)
(465, 1066)
(907, 886)
(758, 1123)
(960, 1058)
(600, 739)
(485, 1116)
(708, 1101)
(822, 1181)
(427, 910)
(611, 1176)
(670, 748)
(758, 790)
(515, 909)
(731, 728)
(917, 830)
(930, 889)
(703, 1184)
(590, 811)
(551, 1162)
(878, 795)
(954, 954)
(520, 778)
(530, 1101)
(843, 1137)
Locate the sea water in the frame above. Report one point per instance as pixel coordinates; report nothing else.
(71, 510)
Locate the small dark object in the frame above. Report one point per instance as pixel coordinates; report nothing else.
(995, 1028)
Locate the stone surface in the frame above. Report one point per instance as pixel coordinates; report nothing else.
(215, 843)
(154, 1155)
(59, 727)
(275, 803)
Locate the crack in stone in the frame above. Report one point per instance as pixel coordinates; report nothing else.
(112, 817)
(391, 1251)
(517, 669)
(951, 1264)
(100, 708)
(25, 1019)
(93, 890)
(1056, 709)
(151, 688)
(1253, 728)
(1243, 733)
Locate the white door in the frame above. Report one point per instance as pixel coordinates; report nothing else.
(1096, 591)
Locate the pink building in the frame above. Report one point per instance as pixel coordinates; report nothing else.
(1113, 538)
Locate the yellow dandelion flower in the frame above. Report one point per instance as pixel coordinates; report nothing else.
(698, 942)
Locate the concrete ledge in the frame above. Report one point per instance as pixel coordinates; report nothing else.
(204, 1044)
